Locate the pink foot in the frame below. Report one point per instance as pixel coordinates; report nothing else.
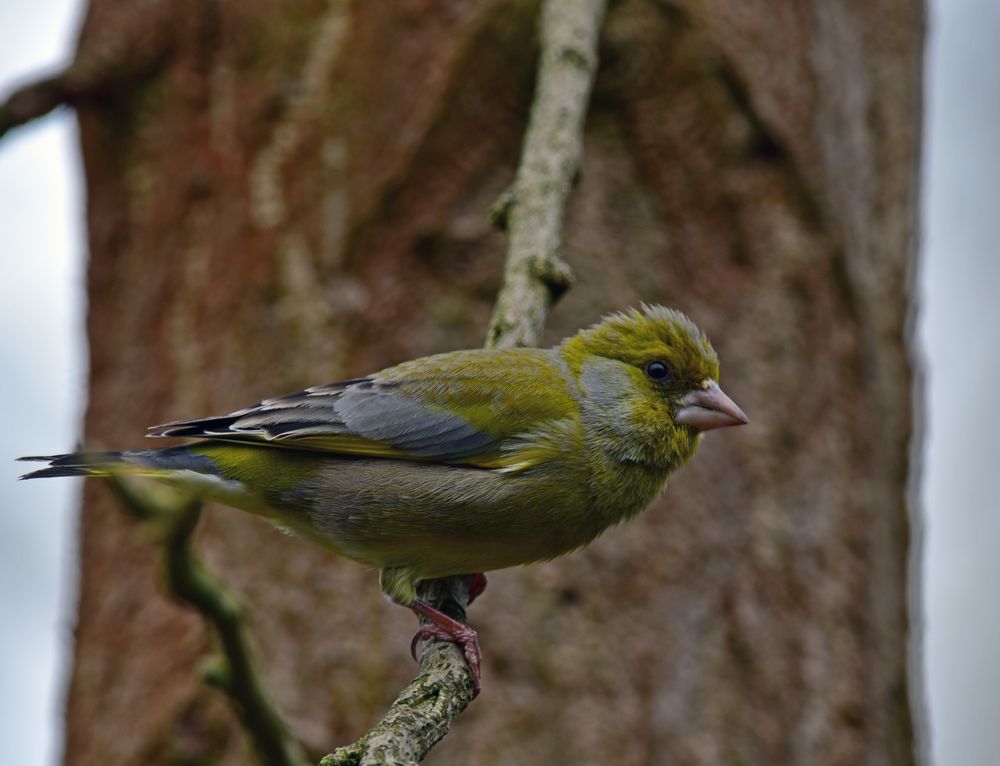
(477, 584)
(445, 628)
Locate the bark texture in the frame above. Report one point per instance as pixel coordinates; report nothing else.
(293, 193)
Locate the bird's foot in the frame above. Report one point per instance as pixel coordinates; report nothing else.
(477, 584)
(444, 628)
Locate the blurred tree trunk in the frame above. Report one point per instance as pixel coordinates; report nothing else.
(284, 194)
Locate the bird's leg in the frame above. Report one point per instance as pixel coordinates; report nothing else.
(477, 584)
(443, 627)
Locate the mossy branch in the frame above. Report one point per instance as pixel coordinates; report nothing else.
(175, 516)
(535, 276)
(422, 714)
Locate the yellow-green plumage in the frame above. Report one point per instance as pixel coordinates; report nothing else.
(462, 462)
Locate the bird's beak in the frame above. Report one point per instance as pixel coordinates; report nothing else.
(708, 407)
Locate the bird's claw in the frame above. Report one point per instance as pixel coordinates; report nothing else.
(464, 637)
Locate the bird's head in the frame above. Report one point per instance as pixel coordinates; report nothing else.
(653, 378)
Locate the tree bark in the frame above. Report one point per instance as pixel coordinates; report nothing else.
(290, 194)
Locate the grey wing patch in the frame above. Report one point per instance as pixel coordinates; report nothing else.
(265, 419)
(367, 408)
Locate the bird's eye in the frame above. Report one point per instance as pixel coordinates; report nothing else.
(657, 371)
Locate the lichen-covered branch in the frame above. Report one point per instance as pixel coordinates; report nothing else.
(535, 276)
(424, 710)
(177, 516)
(417, 720)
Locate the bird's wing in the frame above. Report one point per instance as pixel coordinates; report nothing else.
(509, 410)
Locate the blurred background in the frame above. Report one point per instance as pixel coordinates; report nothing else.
(958, 335)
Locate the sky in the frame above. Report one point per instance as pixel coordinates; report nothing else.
(960, 334)
(43, 358)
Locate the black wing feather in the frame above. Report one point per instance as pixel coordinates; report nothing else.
(374, 410)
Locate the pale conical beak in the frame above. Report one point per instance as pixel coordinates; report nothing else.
(706, 408)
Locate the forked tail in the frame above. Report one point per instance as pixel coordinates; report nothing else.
(152, 463)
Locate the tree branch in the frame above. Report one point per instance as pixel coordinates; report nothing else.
(36, 100)
(533, 212)
(535, 276)
(129, 47)
(424, 710)
(177, 516)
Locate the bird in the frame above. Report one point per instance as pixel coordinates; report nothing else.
(460, 463)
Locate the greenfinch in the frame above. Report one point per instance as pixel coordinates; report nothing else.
(459, 463)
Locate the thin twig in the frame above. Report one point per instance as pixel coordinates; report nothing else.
(534, 277)
(129, 48)
(36, 100)
(177, 516)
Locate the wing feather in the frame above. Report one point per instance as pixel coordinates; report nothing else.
(469, 408)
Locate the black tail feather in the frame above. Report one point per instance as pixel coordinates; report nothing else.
(102, 463)
(70, 464)
(52, 472)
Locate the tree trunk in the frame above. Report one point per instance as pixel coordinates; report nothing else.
(282, 194)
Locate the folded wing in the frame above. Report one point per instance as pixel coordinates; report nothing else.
(476, 408)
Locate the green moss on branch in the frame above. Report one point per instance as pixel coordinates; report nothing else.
(176, 516)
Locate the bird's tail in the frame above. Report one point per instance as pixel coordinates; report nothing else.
(211, 471)
(149, 463)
